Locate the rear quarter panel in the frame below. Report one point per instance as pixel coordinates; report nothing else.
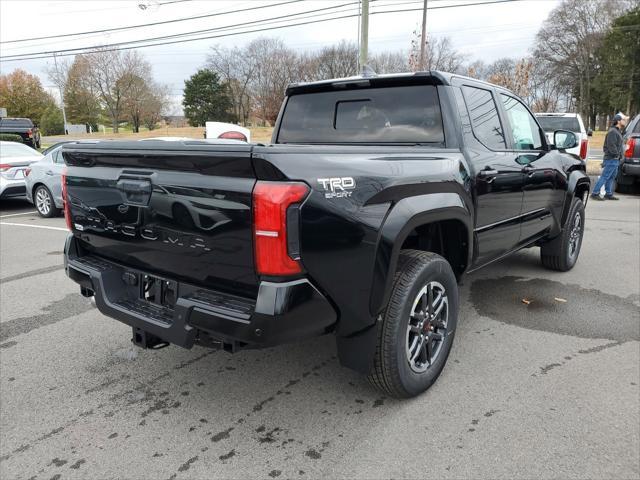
(343, 247)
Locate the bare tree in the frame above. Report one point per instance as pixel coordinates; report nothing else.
(275, 66)
(156, 104)
(80, 98)
(236, 70)
(568, 40)
(114, 75)
(439, 53)
(389, 62)
(337, 61)
(512, 74)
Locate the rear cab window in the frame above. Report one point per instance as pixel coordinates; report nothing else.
(390, 115)
(16, 122)
(485, 120)
(550, 124)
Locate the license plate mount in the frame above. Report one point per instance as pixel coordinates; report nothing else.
(158, 291)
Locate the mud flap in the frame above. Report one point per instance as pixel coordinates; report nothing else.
(357, 351)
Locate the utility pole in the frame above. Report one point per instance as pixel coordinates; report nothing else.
(364, 34)
(423, 37)
(64, 114)
(359, 18)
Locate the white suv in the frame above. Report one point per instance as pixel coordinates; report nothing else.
(572, 122)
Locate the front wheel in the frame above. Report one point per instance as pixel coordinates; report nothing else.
(562, 252)
(418, 325)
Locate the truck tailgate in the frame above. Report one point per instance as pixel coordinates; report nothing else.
(178, 209)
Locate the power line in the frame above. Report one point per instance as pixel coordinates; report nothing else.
(164, 22)
(194, 32)
(129, 45)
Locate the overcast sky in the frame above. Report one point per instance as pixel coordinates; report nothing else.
(484, 32)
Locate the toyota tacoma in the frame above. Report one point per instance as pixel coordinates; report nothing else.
(376, 195)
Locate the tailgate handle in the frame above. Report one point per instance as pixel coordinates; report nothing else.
(135, 192)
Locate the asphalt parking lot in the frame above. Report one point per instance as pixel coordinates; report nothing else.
(545, 390)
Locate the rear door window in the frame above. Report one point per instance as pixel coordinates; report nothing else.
(484, 117)
(391, 115)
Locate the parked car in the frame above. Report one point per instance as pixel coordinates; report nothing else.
(15, 158)
(226, 130)
(23, 127)
(375, 197)
(572, 122)
(629, 171)
(50, 148)
(43, 182)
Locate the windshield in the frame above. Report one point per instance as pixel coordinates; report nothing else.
(404, 114)
(16, 150)
(16, 122)
(551, 124)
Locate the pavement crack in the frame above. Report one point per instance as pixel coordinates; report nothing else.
(599, 348)
(67, 307)
(31, 273)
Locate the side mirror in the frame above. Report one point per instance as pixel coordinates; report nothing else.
(564, 139)
(589, 133)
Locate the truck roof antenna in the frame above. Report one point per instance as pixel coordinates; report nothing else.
(368, 72)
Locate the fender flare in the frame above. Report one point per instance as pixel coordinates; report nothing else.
(577, 178)
(405, 216)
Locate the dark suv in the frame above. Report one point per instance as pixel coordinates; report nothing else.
(629, 171)
(22, 127)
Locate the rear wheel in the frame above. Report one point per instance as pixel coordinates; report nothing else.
(624, 183)
(562, 252)
(418, 325)
(44, 203)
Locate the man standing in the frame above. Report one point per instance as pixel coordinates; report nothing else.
(613, 149)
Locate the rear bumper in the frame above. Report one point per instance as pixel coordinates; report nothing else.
(282, 312)
(632, 169)
(12, 188)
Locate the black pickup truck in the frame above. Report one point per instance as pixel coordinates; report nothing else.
(22, 127)
(375, 196)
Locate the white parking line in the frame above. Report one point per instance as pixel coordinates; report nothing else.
(17, 214)
(34, 226)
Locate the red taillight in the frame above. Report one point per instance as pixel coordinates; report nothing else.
(584, 145)
(27, 171)
(65, 200)
(30, 133)
(4, 167)
(629, 148)
(270, 203)
(233, 136)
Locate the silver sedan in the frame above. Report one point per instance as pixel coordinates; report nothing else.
(43, 179)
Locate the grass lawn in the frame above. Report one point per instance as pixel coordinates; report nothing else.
(597, 140)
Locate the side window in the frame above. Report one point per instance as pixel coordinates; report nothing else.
(57, 157)
(525, 132)
(636, 129)
(484, 117)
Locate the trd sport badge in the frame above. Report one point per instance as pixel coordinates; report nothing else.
(337, 187)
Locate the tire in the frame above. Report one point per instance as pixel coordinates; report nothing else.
(562, 252)
(43, 200)
(624, 188)
(401, 368)
(624, 183)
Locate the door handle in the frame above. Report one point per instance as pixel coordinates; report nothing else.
(49, 172)
(487, 173)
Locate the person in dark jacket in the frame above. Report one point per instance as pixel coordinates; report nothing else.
(613, 149)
